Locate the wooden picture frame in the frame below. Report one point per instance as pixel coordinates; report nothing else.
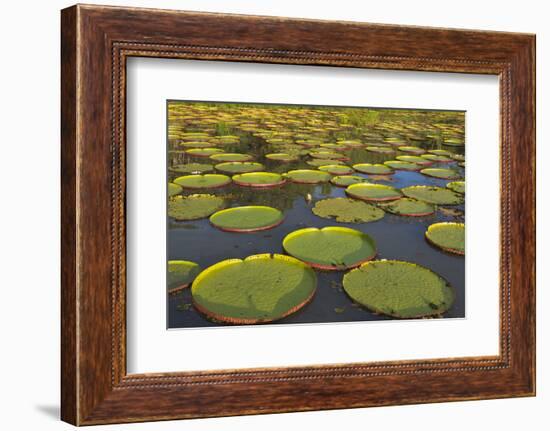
(96, 41)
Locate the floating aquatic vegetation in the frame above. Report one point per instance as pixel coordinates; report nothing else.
(381, 150)
(203, 181)
(447, 174)
(194, 207)
(191, 168)
(196, 144)
(408, 207)
(239, 167)
(374, 169)
(458, 157)
(282, 157)
(373, 192)
(323, 162)
(174, 189)
(414, 159)
(447, 236)
(441, 153)
(457, 186)
(203, 152)
(399, 289)
(330, 248)
(436, 158)
(260, 288)
(327, 155)
(336, 169)
(346, 180)
(350, 143)
(403, 166)
(346, 210)
(180, 274)
(411, 149)
(454, 142)
(259, 179)
(247, 218)
(334, 147)
(434, 195)
(308, 176)
(231, 157)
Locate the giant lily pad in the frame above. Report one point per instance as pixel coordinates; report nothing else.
(351, 143)
(323, 162)
(247, 219)
(259, 179)
(308, 176)
(239, 167)
(203, 152)
(180, 274)
(373, 192)
(260, 288)
(403, 166)
(447, 236)
(196, 144)
(433, 195)
(380, 150)
(203, 181)
(454, 142)
(458, 157)
(437, 158)
(346, 210)
(327, 155)
(414, 159)
(447, 174)
(336, 169)
(373, 169)
(399, 289)
(408, 207)
(457, 186)
(191, 168)
(438, 152)
(330, 248)
(412, 150)
(231, 157)
(174, 189)
(194, 207)
(281, 157)
(346, 180)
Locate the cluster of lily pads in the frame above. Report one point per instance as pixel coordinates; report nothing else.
(208, 146)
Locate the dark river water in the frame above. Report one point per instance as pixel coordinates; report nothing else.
(400, 238)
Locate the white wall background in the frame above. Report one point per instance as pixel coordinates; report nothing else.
(29, 215)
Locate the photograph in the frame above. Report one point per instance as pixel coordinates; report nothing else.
(307, 214)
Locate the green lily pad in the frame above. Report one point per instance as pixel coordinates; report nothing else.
(403, 166)
(196, 144)
(414, 159)
(452, 142)
(247, 218)
(408, 207)
(180, 274)
(194, 207)
(433, 195)
(399, 289)
(327, 155)
(448, 236)
(239, 167)
(346, 180)
(260, 288)
(441, 152)
(447, 174)
(373, 169)
(373, 192)
(174, 189)
(346, 210)
(323, 162)
(336, 169)
(203, 152)
(412, 150)
(457, 186)
(259, 179)
(350, 143)
(203, 181)
(437, 158)
(191, 168)
(231, 157)
(380, 150)
(458, 157)
(308, 176)
(334, 147)
(330, 248)
(281, 157)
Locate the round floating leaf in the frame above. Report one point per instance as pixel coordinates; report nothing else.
(194, 207)
(381, 150)
(197, 144)
(457, 186)
(373, 192)
(239, 167)
(434, 195)
(346, 180)
(412, 150)
(458, 157)
(409, 207)
(323, 162)
(180, 274)
(174, 189)
(451, 142)
(351, 143)
(346, 210)
(231, 157)
(336, 169)
(327, 155)
(447, 236)
(414, 159)
(373, 169)
(403, 166)
(399, 289)
(260, 288)
(436, 158)
(281, 157)
(259, 179)
(440, 152)
(203, 152)
(330, 248)
(247, 219)
(447, 174)
(191, 168)
(308, 176)
(202, 181)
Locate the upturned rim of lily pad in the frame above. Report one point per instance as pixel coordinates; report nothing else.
(365, 168)
(403, 166)
(436, 158)
(336, 169)
(308, 271)
(341, 180)
(411, 149)
(241, 179)
(380, 149)
(443, 225)
(457, 186)
(282, 157)
(352, 191)
(203, 152)
(231, 157)
(412, 158)
(236, 210)
(252, 167)
(441, 173)
(322, 177)
(216, 181)
(193, 267)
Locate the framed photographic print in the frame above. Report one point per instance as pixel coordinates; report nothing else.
(264, 214)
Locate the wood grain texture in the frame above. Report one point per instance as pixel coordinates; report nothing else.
(96, 42)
